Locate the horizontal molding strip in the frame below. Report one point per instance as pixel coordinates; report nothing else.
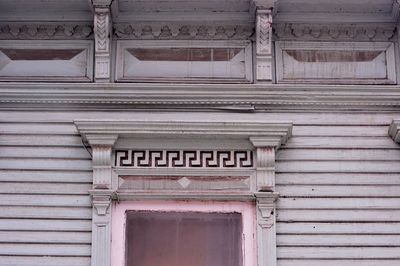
(235, 97)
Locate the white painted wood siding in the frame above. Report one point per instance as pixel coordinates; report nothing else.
(338, 177)
(45, 210)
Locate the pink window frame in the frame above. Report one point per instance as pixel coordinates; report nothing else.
(247, 209)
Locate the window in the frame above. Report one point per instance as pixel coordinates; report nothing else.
(183, 238)
(336, 62)
(182, 233)
(46, 60)
(185, 61)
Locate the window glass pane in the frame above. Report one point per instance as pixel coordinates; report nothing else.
(183, 239)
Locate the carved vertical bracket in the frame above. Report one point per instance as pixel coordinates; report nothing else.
(266, 229)
(265, 161)
(102, 154)
(102, 34)
(101, 227)
(263, 45)
(394, 130)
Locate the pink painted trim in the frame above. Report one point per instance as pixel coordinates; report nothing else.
(119, 217)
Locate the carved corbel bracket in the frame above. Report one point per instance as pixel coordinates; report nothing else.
(266, 208)
(394, 130)
(102, 146)
(102, 33)
(101, 200)
(265, 159)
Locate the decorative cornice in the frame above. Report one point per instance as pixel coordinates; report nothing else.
(394, 130)
(239, 97)
(41, 31)
(278, 131)
(335, 32)
(183, 30)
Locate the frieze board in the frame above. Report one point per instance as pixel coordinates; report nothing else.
(19, 31)
(183, 31)
(184, 158)
(243, 98)
(335, 32)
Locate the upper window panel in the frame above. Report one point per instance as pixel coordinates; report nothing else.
(335, 62)
(46, 61)
(185, 61)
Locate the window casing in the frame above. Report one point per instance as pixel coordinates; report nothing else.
(193, 209)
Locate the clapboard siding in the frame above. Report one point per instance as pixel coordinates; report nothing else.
(43, 261)
(45, 209)
(339, 196)
(307, 228)
(339, 154)
(52, 176)
(44, 249)
(338, 179)
(44, 152)
(338, 262)
(48, 237)
(62, 225)
(298, 119)
(339, 240)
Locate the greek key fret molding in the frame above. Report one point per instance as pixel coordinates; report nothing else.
(266, 228)
(102, 34)
(394, 130)
(184, 159)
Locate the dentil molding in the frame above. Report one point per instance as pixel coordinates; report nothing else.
(183, 31)
(42, 31)
(334, 31)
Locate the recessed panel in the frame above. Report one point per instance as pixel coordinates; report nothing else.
(352, 63)
(185, 61)
(49, 60)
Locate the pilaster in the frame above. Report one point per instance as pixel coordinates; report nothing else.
(266, 228)
(102, 34)
(263, 19)
(102, 146)
(101, 227)
(266, 147)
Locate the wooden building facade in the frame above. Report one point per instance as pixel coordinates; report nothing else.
(274, 122)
